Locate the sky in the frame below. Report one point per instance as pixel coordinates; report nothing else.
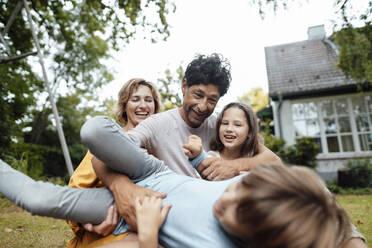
(231, 28)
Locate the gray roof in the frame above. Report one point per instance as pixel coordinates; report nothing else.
(300, 67)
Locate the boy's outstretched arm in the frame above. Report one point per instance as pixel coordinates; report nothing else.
(150, 217)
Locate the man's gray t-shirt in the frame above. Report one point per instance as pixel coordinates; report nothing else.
(164, 134)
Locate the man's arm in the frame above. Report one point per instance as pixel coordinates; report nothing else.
(219, 169)
(125, 192)
(355, 243)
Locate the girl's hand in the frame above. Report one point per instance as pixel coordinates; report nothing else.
(193, 146)
(150, 217)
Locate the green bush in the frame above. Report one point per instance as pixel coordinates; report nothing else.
(27, 162)
(334, 188)
(303, 152)
(360, 172)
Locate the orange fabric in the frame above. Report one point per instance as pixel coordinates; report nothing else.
(85, 177)
(90, 240)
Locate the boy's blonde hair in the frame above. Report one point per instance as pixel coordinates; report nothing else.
(290, 207)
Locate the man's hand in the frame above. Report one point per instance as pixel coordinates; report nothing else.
(216, 169)
(193, 146)
(107, 226)
(125, 200)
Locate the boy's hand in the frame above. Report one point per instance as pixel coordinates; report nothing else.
(193, 146)
(150, 217)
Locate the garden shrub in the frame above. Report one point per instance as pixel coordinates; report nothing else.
(335, 188)
(360, 173)
(40, 161)
(303, 152)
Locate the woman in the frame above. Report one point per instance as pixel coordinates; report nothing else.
(137, 100)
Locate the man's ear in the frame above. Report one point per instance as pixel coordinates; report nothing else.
(184, 86)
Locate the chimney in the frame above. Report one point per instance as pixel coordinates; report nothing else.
(316, 32)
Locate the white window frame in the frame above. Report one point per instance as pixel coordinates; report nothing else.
(325, 154)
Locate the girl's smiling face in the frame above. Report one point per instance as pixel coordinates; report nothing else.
(234, 129)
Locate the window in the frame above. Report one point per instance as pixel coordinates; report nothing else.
(305, 119)
(337, 124)
(362, 108)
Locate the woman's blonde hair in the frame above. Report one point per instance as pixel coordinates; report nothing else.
(290, 207)
(125, 93)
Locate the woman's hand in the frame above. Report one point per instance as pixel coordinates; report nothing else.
(150, 217)
(193, 146)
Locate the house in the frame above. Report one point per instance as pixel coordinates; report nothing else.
(311, 97)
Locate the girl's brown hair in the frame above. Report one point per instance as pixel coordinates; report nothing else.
(125, 93)
(290, 207)
(251, 144)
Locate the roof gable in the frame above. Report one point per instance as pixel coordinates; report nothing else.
(305, 66)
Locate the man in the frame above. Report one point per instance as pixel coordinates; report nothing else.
(207, 78)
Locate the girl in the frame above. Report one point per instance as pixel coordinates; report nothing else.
(236, 136)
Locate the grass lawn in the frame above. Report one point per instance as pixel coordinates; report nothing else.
(19, 229)
(359, 209)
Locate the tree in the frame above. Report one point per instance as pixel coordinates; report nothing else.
(355, 53)
(168, 88)
(75, 36)
(256, 98)
(17, 88)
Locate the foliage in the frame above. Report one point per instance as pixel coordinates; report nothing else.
(360, 172)
(335, 188)
(303, 152)
(78, 34)
(75, 36)
(275, 144)
(168, 88)
(355, 53)
(17, 87)
(255, 98)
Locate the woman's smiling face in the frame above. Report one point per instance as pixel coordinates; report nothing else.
(140, 105)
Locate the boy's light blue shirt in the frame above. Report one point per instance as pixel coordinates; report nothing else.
(182, 228)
